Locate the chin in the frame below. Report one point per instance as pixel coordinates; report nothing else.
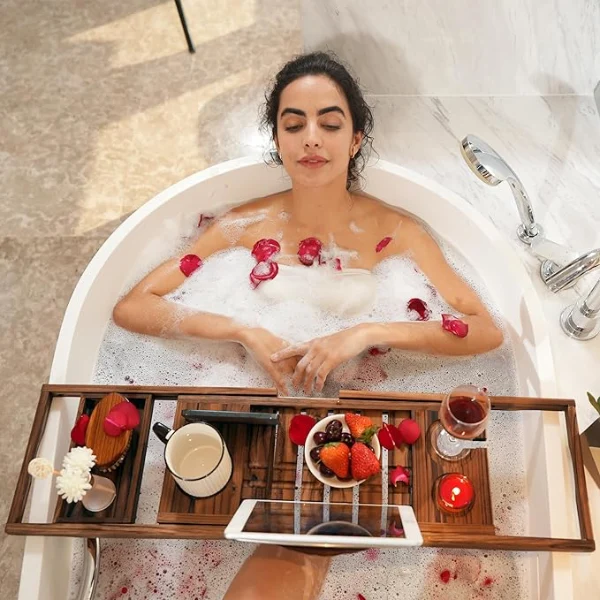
(315, 178)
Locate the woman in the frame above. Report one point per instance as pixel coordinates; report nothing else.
(320, 126)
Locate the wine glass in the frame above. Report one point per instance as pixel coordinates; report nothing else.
(463, 416)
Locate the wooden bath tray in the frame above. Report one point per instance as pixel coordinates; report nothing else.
(267, 465)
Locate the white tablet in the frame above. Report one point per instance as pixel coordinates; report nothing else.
(324, 525)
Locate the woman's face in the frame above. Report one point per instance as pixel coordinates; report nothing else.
(315, 137)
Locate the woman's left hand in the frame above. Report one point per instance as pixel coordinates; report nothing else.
(321, 355)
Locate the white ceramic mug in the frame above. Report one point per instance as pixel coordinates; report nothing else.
(197, 458)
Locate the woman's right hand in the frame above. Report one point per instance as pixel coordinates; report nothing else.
(261, 343)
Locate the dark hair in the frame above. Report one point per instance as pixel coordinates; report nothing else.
(322, 63)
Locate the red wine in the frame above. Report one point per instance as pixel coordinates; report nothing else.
(466, 409)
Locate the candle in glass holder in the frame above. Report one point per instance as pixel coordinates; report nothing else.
(455, 493)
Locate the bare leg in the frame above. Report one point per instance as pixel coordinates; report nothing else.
(278, 572)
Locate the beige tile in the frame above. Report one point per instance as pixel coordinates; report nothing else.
(103, 107)
(37, 280)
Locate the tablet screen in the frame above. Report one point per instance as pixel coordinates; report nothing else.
(316, 518)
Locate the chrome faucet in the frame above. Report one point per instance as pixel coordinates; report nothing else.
(580, 320)
(492, 169)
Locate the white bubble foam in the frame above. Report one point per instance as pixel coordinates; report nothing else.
(222, 286)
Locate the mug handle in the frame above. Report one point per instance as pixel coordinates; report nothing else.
(163, 433)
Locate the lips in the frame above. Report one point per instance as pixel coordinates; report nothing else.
(312, 161)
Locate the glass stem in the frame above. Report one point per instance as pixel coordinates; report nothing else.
(448, 445)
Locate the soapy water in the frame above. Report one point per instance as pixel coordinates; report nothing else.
(165, 568)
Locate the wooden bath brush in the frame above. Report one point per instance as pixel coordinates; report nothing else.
(110, 451)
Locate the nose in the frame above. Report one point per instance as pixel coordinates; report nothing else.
(312, 138)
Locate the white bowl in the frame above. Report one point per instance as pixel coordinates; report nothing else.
(314, 468)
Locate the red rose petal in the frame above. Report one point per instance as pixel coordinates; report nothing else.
(130, 411)
(385, 437)
(337, 264)
(375, 351)
(410, 431)
(78, 431)
(189, 263)
(445, 576)
(300, 426)
(420, 307)
(114, 423)
(262, 272)
(399, 474)
(309, 250)
(396, 435)
(264, 249)
(456, 326)
(382, 244)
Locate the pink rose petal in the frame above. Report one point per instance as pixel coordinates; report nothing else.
(189, 263)
(203, 219)
(114, 423)
(456, 326)
(130, 411)
(262, 272)
(399, 474)
(382, 244)
(264, 249)
(420, 307)
(396, 531)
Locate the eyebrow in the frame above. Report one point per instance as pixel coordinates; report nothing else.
(323, 111)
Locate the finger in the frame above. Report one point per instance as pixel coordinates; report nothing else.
(300, 370)
(311, 373)
(295, 350)
(279, 381)
(321, 376)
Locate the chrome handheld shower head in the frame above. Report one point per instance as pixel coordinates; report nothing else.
(492, 169)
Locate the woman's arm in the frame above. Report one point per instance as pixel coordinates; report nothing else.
(429, 337)
(144, 310)
(321, 355)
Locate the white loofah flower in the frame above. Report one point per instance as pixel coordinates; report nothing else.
(40, 468)
(72, 485)
(82, 459)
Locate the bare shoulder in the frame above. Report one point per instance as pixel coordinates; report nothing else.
(376, 214)
(272, 204)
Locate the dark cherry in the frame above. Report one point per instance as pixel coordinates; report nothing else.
(334, 431)
(320, 437)
(326, 471)
(347, 439)
(315, 453)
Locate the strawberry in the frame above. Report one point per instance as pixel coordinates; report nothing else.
(361, 428)
(364, 462)
(336, 456)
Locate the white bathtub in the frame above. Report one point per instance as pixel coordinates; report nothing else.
(46, 564)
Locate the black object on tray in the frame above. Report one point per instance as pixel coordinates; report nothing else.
(230, 416)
